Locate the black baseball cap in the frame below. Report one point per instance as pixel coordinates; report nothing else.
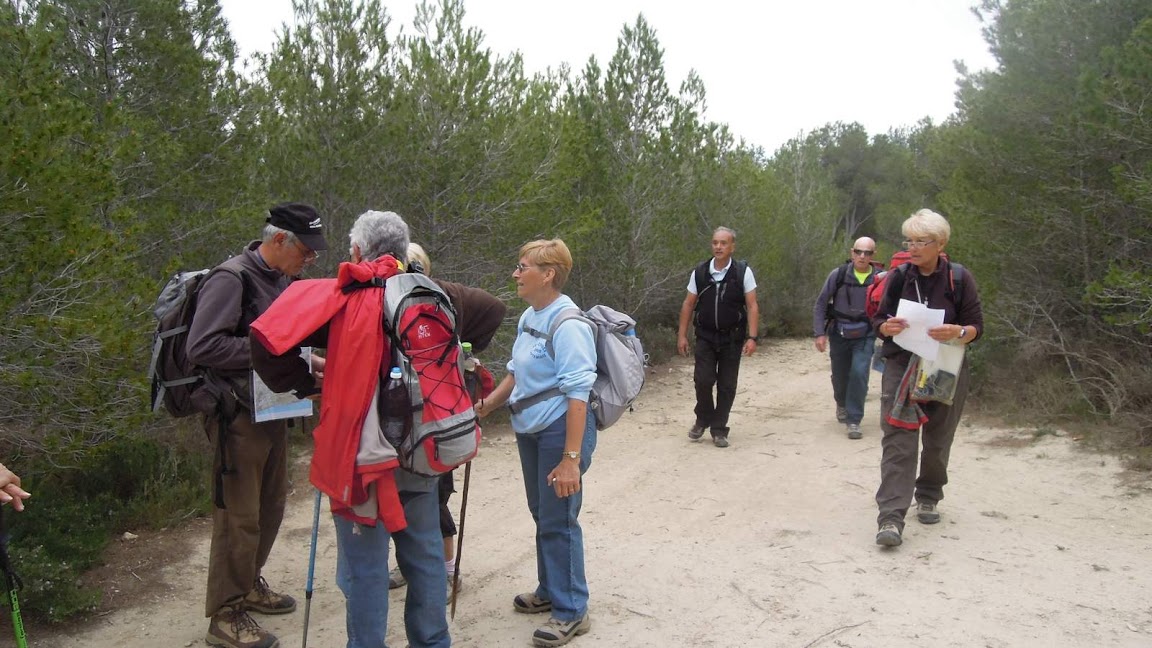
(303, 221)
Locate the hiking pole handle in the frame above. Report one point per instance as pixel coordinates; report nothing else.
(460, 536)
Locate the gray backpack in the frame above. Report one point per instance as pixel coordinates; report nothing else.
(620, 362)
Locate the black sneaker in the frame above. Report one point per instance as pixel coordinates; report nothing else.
(841, 414)
(558, 633)
(889, 535)
(396, 580)
(696, 432)
(854, 431)
(926, 512)
(720, 441)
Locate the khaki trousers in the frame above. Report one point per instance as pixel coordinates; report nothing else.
(255, 491)
(899, 482)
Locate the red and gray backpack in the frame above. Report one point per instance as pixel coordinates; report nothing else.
(898, 273)
(422, 329)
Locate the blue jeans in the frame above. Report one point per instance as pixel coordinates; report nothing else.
(851, 361)
(559, 539)
(362, 574)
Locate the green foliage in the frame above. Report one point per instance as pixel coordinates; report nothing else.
(130, 147)
(130, 482)
(1047, 188)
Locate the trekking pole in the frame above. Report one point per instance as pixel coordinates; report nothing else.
(311, 567)
(460, 536)
(11, 584)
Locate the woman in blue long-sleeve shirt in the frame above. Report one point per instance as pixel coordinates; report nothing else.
(549, 380)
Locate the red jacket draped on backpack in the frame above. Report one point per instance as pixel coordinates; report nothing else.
(356, 345)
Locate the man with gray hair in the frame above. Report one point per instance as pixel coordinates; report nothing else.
(374, 503)
(250, 459)
(721, 304)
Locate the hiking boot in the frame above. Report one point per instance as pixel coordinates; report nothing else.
(396, 579)
(841, 414)
(233, 628)
(558, 633)
(529, 603)
(696, 432)
(889, 535)
(720, 441)
(854, 431)
(926, 512)
(263, 599)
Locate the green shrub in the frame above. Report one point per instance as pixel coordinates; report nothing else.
(131, 482)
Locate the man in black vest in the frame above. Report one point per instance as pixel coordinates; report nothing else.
(722, 295)
(841, 327)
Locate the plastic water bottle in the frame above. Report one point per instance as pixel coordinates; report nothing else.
(630, 332)
(471, 379)
(397, 408)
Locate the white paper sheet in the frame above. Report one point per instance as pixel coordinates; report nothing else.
(920, 318)
(271, 406)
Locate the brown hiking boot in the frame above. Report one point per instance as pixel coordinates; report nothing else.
(232, 627)
(263, 599)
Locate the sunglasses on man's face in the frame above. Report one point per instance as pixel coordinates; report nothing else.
(863, 252)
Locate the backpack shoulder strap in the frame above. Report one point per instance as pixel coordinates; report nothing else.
(702, 275)
(246, 293)
(841, 277)
(895, 283)
(956, 277)
(741, 268)
(563, 316)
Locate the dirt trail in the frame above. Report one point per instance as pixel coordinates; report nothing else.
(766, 543)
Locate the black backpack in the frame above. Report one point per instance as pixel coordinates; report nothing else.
(179, 386)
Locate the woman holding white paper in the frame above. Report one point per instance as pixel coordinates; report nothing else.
(929, 278)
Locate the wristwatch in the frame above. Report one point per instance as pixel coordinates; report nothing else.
(754, 338)
(572, 454)
(963, 332)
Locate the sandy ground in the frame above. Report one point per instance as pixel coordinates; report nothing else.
(766, 543)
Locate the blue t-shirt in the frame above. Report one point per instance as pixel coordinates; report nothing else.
(573, 369)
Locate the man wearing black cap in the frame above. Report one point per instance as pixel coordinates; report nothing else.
(251, 471)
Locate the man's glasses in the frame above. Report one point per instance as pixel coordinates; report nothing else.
(863, 252)
(308, 254)
(521, 267)
(909, 244)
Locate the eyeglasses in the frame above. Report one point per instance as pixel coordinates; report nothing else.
(308, 254)
(863, 252)
(521, 267)
(909, 244)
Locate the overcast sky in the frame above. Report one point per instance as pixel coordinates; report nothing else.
(771, 68)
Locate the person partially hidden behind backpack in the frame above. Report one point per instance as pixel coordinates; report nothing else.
(841, 327)
(721, 303)
(418, 261)
(254, 488)
(374, 502)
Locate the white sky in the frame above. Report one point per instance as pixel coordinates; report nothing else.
(771, 68)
